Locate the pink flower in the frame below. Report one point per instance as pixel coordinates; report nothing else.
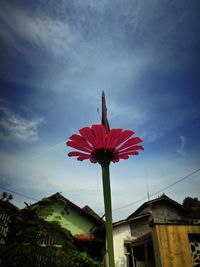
(98, 146)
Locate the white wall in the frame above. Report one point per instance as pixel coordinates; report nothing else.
(120, 234)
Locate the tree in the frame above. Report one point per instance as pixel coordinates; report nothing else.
(32, 242)
(193, 206)
(6, 197)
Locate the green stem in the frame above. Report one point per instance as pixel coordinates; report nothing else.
(108, 212)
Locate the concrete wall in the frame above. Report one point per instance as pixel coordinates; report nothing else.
(120, 234)
(171, 245)
(160, 212)
(140, 227)
(165, 211)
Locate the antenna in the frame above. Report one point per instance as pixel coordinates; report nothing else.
(147, 187)
(148, 195)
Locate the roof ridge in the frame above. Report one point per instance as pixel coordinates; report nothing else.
(81, 210)
(157, 199)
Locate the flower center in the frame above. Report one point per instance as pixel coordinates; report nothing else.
(103, 155)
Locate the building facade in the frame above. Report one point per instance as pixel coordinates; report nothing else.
(151, 230)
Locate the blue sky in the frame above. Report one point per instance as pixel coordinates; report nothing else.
(57, 57)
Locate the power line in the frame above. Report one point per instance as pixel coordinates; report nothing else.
(161, 190)
(122, 207)
(14, 192)
(178, 181)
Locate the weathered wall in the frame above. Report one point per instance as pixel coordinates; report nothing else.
(161, 211)
(120, 234)
(68, 219)
(171, 245)
(140, 227)
(167, 212)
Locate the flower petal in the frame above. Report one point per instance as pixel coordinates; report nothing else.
(93, 160)
(112, 137)
(81, 158)
(88, 134)
(77, 146)
(76, 154)
(115, 160)
(131, 148)
(80, 140)
(100, 133)
(123, 156)
(130, 142)
(95, 139)
(124, 136)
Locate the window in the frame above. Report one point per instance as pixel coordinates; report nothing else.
(194, 240)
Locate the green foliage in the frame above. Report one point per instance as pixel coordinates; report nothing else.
(33, 242)
(191, 203)
(6, 196)
(193, 206)
(79, 259)
(45, 200)
(58, 217)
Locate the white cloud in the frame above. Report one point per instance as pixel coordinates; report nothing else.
(46, 169)
(49, 35)
(67, 55)
(151, 135)
(15, 127)
(181, 149)
(75, 53)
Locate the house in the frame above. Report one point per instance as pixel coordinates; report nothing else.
(84, 224)
(7, 212)
(176, 243)
(135, 237)
(121, 232)
(38, 235)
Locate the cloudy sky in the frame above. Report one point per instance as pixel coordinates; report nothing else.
(56, 57)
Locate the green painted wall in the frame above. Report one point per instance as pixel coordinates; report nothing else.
(68, 218)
